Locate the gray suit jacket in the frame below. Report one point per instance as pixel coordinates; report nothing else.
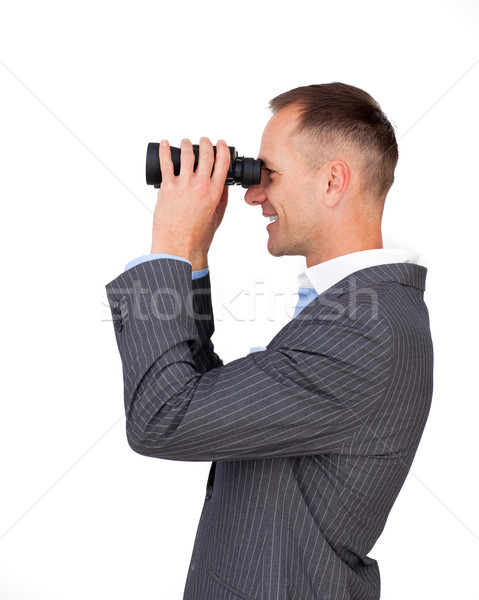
(312, 438)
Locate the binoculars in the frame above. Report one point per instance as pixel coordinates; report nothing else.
(242, 171)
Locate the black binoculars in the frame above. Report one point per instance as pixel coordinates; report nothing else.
(242, 171)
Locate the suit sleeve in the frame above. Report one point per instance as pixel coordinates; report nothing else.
(204, 355)
(309, 393)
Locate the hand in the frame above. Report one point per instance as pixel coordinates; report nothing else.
(199, 259)
(190, 207)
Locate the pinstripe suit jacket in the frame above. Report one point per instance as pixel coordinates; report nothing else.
(311, 439)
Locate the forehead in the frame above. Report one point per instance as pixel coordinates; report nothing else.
(278, 133)
(281, 125)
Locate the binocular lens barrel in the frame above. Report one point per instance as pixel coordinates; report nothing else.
(242, 171)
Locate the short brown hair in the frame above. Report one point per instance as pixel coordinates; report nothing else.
(336, 113)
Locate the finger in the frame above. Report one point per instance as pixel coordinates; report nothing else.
(206, 158)
(222, 164)
(187, 159)
(221, 207)
(166, 165)
(222, 204)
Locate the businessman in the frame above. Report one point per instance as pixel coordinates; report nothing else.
(312, 438)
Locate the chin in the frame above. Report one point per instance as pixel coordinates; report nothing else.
(274, 250)
(288, 251)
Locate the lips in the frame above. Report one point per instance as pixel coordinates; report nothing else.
(273, 217)
(271, 226)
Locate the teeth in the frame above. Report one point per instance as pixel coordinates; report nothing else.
(273, 218)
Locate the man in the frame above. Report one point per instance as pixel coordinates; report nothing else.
(313, 437)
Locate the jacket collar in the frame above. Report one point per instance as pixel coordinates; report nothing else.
(327, 274)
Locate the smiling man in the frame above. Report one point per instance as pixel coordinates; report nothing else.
(323, 187)
(312, 438)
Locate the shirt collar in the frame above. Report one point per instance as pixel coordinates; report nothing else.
(324, 275)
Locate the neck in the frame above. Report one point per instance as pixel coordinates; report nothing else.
(341, 245)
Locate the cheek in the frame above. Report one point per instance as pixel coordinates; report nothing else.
(310, 201)
(300, 204)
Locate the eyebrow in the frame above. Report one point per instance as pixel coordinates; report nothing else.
(267, 164)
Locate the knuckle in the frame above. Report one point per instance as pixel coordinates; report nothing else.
(166, 187)
(202, 187)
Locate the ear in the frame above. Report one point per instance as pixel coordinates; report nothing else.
(338, 176)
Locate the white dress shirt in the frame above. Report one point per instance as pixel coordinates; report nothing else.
(323, 276)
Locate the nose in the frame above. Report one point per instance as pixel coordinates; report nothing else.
(255, 195)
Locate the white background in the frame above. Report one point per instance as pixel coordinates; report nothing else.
(84, 87)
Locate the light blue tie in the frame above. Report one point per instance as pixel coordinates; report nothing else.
(306, 294)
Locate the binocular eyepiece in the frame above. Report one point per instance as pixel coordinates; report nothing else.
(242, 171)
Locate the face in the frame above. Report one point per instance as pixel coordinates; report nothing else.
(288, 190)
